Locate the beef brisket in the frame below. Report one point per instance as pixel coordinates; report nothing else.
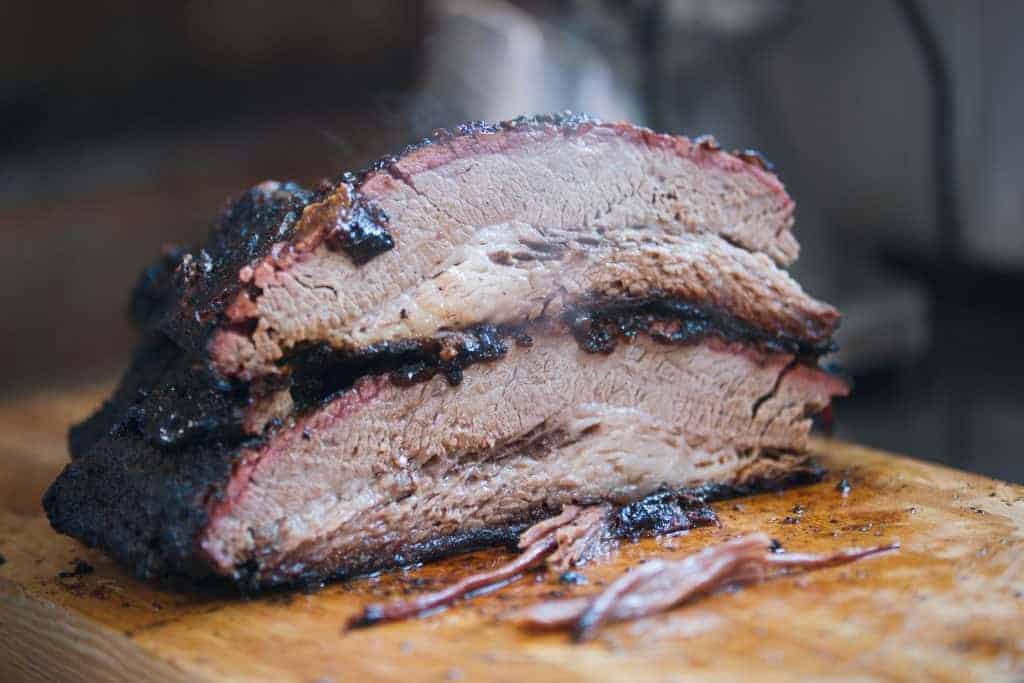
(433, 353)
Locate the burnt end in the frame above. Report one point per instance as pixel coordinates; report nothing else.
(153, 294)
(170, 395)
(169, 398)
(205, 278)
(363, 235)
(754, 158)
(662, 512)
(260, 218)
(359, 227)
(142, 507)
(189, 404)
(599, 324)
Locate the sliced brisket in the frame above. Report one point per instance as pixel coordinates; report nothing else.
(438, 351)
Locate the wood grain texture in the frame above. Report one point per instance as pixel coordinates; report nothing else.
(949, 606)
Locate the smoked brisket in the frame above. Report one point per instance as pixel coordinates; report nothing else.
(434, 353)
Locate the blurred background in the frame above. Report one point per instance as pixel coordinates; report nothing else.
(895, 124)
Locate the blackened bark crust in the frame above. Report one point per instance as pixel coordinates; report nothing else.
(183, 296)
(144, 508)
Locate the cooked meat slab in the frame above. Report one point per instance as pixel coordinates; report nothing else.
(436, 352)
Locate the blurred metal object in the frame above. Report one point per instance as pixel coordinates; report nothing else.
(492, 60)
(884, 326)
(487, 58)
(943, 142)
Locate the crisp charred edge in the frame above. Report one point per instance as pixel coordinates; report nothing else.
(250, 578)
(566, 120)
(129, 499)
(189, 293)
(340, 217)
(152, 360)
(170, 398)
(155, 286)
(663, 511)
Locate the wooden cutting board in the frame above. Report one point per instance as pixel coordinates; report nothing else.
(948, 606)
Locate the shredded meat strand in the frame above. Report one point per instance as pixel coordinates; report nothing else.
(532, 557)
(546, 526)
(659, 585)
(582, 539)
(541, 541)
(597, 611)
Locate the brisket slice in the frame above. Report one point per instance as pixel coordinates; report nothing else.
(387, 474)
(432, 354)
(546, 426)
(498, 205)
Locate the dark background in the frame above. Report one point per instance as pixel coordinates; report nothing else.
(895, 124)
